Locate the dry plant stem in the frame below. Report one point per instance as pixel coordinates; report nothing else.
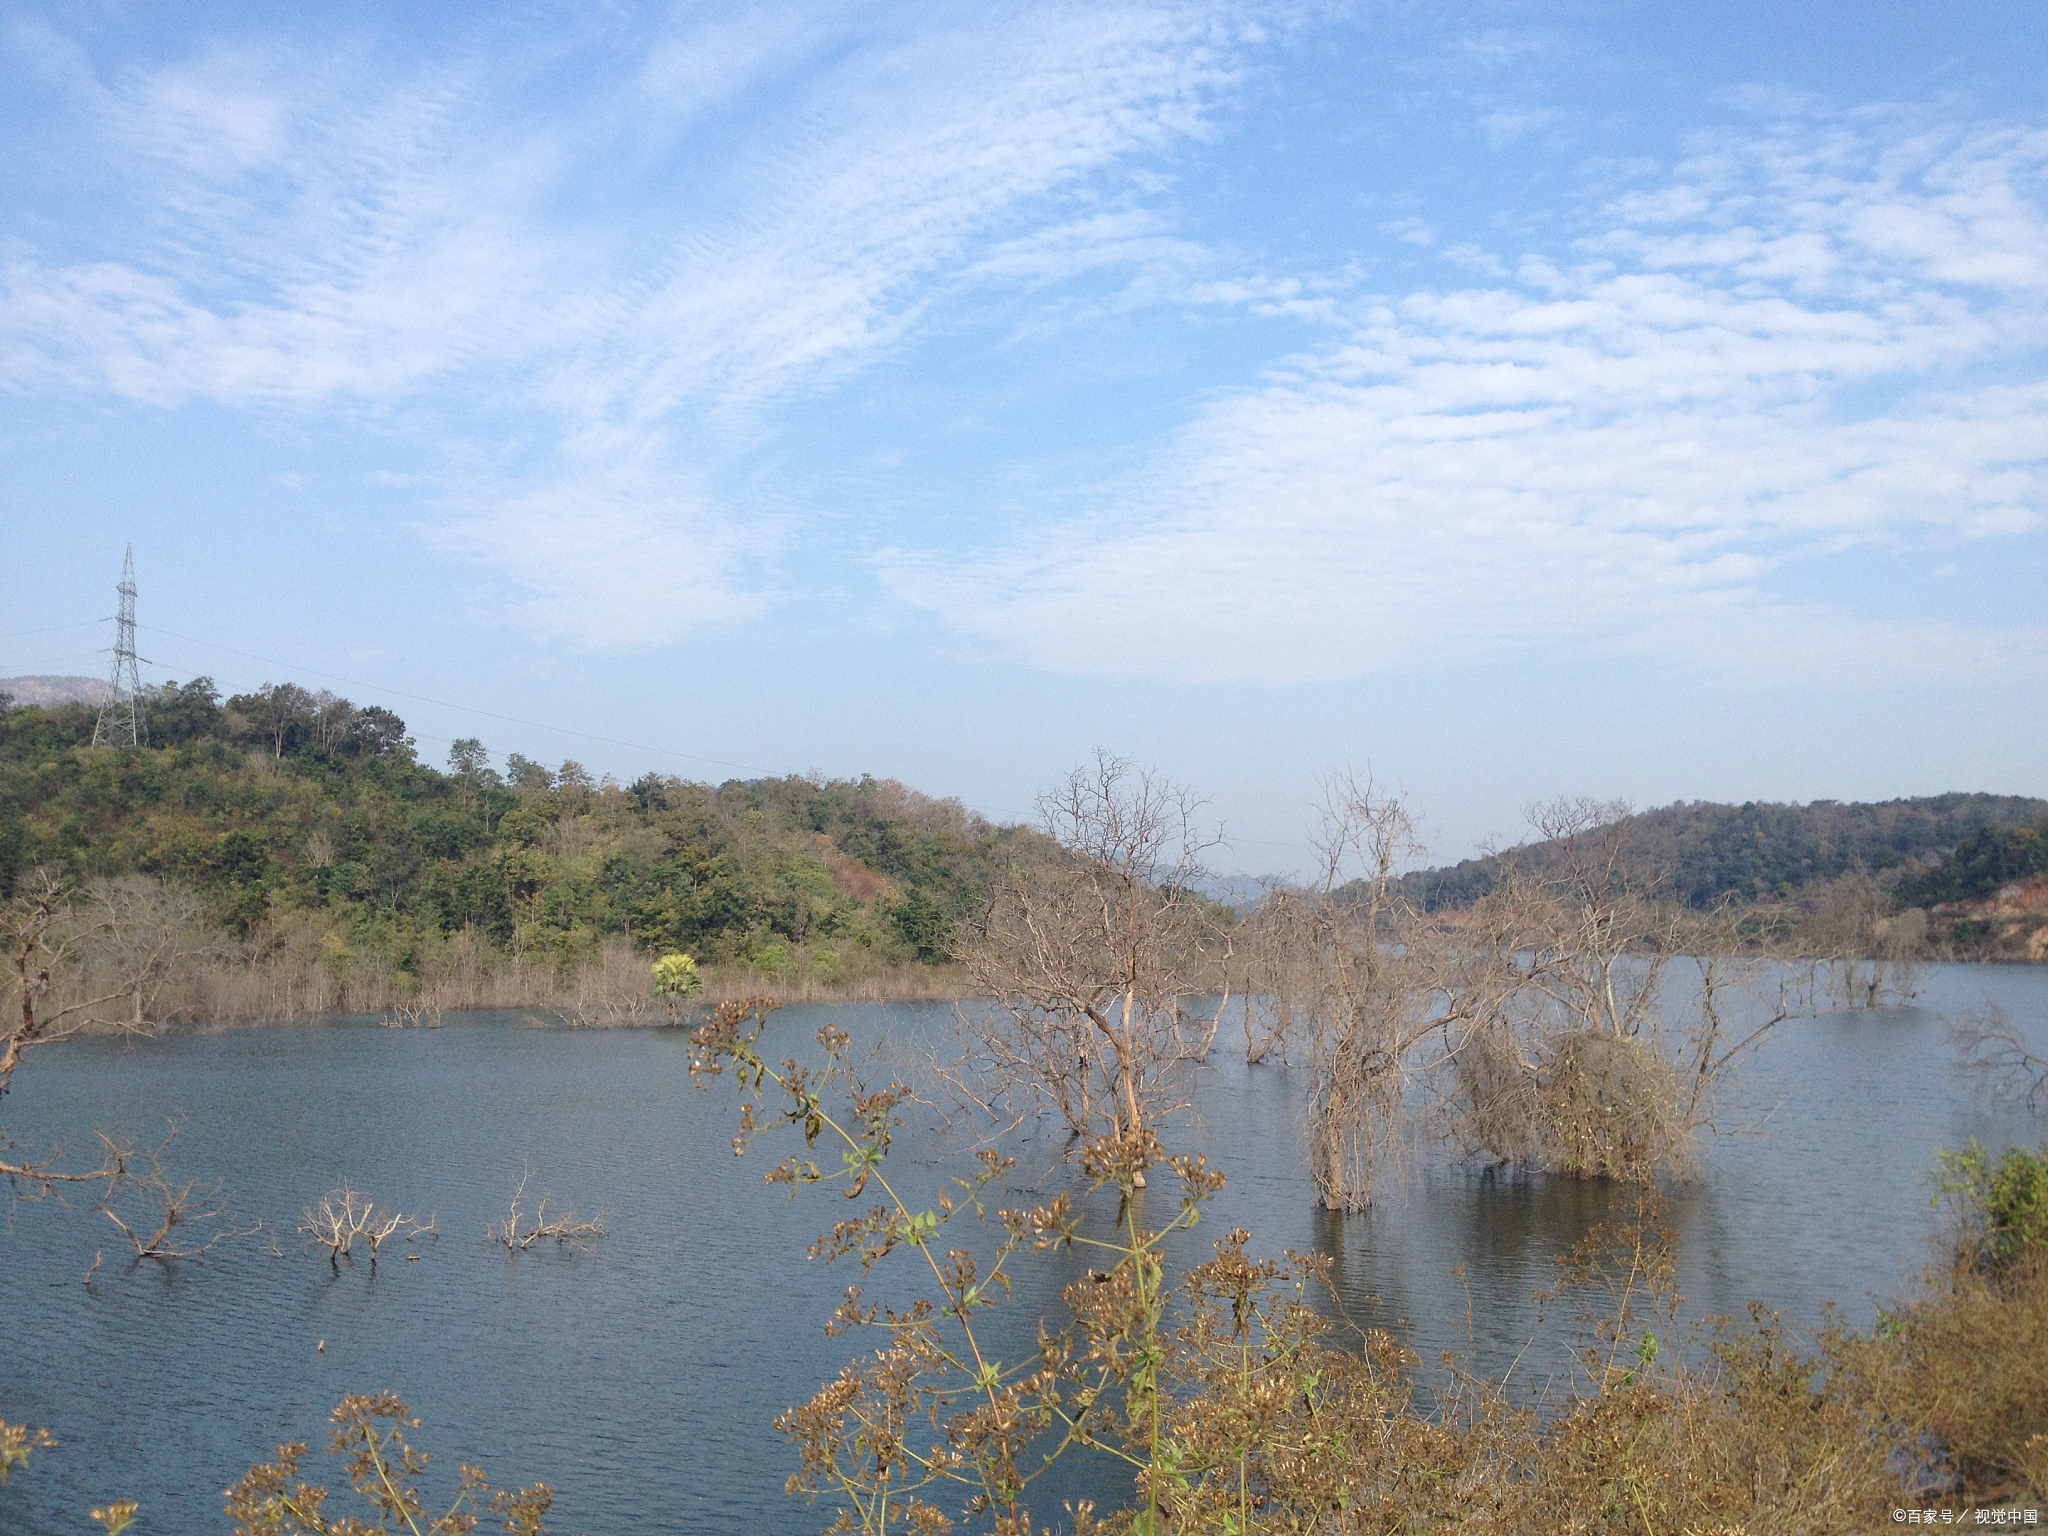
(137, 929)
(1246, 1419)
(272, 1500)
(1094, 952)
(189, 1220)
(1354, 981)
(1577, 1047)
(42, 1180)
(39, 952)
(996, 1420)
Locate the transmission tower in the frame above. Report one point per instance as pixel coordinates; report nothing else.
(120, 722)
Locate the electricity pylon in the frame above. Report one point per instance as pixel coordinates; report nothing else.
(120, 721)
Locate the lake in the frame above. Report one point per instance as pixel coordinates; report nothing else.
(639, 1377)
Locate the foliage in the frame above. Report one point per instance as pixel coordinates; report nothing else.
(1097, 1383)
(282, 806)
(369, 1437)
(1981, 865)
(677, 976)
(1757, 852)
(2001, 1206)
(1242, 1401)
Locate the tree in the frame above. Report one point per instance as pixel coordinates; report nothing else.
(43, 945)
(41, 948)
(675, 978)
(377, 732)
(524, 773)
(1351, 977)
(275, 709)
(1589, 1019)
(468, 760)
(1094, 950)
(136, 932)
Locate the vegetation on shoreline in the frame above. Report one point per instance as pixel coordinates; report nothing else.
(316, 866)
(336, 872)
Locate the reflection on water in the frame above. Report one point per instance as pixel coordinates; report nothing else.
(640, 1378)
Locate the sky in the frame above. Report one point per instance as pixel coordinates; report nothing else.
(1498, 400)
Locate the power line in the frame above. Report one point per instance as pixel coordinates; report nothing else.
(539, 725)
(420, 698)
(9, 634)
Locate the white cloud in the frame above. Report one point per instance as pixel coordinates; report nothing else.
(614, 558)
(1610, 454)
(590, 283)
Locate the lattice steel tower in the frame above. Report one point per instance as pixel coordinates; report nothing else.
(120, 722)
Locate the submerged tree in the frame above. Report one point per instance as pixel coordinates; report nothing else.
(1574, 1019)
(1594, 1018)
(1350, 976)
(1096, 949)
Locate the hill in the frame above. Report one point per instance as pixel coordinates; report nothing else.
(301, 819)
(1757, 852)
(50, 691)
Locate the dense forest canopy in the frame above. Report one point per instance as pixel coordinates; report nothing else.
(1981, 865)
(286, 801)
(1705, 853)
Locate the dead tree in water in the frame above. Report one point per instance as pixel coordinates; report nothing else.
(345, 1216)
(1095, 950)
(1347, 977)
(45, 940)
(1591, 1016)
(1572, 1020)
(182, 1221)
(1988, 1044)
(520, 1231)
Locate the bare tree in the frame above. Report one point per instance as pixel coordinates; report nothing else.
(40, 953)
(133, 933)
(182, 1221)
(345, 1216)
(1349, 978)
(1988, 1045)
(520, 1231)
(1095, 950)
(1592, 1019)
(1866, 951)
(41, 949)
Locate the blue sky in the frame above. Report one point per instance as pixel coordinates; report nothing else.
(1506, 400)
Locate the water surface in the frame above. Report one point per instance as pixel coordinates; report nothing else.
(639, 1378)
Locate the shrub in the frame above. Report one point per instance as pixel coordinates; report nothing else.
(2001, 1207)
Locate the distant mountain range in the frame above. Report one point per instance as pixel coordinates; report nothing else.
(56, 690)
(1707, 852)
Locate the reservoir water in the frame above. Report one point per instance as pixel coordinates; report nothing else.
(639, 1377)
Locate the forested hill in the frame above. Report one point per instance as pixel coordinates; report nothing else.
(1707, 852)
(284, 805)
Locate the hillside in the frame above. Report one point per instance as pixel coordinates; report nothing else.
(52, 691)
(1707, 852)
(288, 811)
